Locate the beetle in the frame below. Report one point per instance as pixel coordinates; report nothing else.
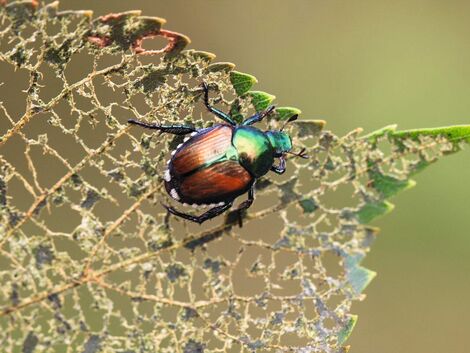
(215, 165)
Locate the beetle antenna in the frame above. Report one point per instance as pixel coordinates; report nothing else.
(300, 154)
(291, 119)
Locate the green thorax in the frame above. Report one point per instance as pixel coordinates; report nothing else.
(255, 151)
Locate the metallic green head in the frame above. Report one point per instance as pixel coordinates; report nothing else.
(280, 141)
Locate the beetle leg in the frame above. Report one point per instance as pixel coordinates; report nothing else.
(259, 116)
(170, 129)
(220, 114)
(245, 205)
(281, 168)
(211, 213)
(248, 202)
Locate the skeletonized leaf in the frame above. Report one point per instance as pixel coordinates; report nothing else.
(89, 255)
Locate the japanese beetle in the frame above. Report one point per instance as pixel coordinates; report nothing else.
(215, 165)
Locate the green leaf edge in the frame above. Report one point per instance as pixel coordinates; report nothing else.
(260, 100)
(346, 331)
(358, 276)
(453, 133)
(388, 187)
(375, 135)
(220, 66)
(285, 113)
(373, 210)
(242, 82)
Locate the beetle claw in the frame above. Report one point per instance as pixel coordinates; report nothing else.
(240, 218)
(270, 109)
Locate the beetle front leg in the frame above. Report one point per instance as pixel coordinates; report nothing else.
(245, 205)
(220, 114)
(248, 202)
(170, 129)
(281, 168)
(213, 212)
(259, 116)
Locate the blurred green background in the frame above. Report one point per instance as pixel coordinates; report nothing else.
(368, 64)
